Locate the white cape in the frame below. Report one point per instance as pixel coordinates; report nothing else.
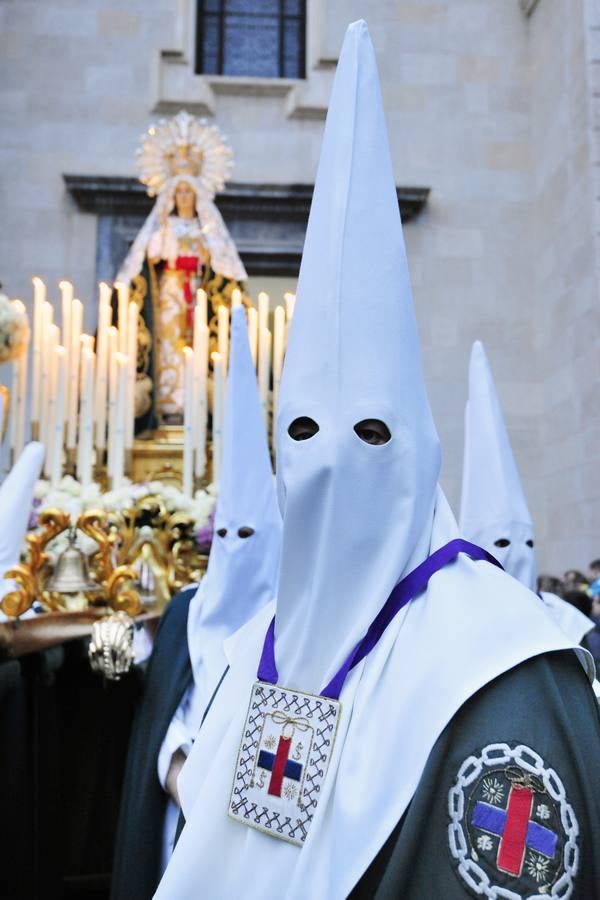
(429, 681)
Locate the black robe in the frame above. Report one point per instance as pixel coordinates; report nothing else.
(416, 862)
(138, 850)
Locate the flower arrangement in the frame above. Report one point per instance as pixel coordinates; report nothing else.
(70, 496)
(14, 329)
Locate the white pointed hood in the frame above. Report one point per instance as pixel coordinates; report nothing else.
(357, 517)
(353, 354)
(16, 494)
(493, 508)
(242, 571)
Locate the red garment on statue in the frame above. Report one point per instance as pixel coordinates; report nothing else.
(189, 266)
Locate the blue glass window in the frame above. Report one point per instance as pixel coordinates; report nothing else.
(260, 38)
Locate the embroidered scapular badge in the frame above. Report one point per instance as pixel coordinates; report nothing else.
(512, 831)
(282, 762)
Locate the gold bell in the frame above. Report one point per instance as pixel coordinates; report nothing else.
(71, 574)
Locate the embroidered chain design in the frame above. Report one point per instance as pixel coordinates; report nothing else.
(531, 762)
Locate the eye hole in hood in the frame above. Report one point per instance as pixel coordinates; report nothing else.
(303, 428)
(245, 531)
(222, 532)
(502, 542)
(372, 431)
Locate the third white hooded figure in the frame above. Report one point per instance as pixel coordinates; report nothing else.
(239, 581)
(494, 511)
(358, 461)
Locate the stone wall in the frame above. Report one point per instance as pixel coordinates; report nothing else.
(486, 106)
(563, 41)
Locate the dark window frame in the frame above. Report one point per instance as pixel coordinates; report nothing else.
(220, 16)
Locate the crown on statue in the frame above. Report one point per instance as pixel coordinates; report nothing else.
(185, 160)
(184, 145)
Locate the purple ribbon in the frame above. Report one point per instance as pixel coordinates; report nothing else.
(414, 583)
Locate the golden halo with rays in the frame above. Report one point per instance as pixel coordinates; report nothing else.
(183, 145)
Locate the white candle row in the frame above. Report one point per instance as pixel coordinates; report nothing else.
(267, 349)
(84, 401)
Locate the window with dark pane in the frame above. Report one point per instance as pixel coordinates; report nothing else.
(260, 38)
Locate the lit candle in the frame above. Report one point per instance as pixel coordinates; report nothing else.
(217, 416)
(47, 314)
(132, 349)
(263, 311)
(236, 298)
(123, 306)
(278, 350)
(86, 421)
(202, 304)
(264, 370)
(223, 335)
(39, 297)
(50, 400)
(253, 332)
(200, 399)
(19, 392)
(73, 372)
(290, 302)
(104, 293)
(66, 299)
(113, 349)
(122, 369)
(101, 394)
(58, 419)
(188, 429)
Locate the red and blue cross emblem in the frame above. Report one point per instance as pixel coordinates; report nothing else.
(280, 766)
(515, 828)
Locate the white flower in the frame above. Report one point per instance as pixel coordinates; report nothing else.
(537, 867)
(71, 497)
(70, 486)
(41, 489)
(493, 790)
(542, 811)
(14, 330)
(484, 842)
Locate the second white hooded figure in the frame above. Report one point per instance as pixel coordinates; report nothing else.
(494, 511)
(188, 659)
(278, 804)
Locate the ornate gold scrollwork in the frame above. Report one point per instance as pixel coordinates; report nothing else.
(15, 603)
(52, 522)
(92, 523)
(145, 540)
(121, 594)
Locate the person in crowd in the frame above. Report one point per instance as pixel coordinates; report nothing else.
(581, 600)
(188, 661)
(411, 722)
(550, 584)
(574, 580)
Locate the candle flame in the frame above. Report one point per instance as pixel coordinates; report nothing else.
(216, 357)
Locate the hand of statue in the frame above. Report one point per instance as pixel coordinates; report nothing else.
(177, 761)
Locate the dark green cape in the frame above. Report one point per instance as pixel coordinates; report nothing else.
(138, 849)
(546, 704)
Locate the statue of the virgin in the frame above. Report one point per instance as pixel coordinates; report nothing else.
(183, 245)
